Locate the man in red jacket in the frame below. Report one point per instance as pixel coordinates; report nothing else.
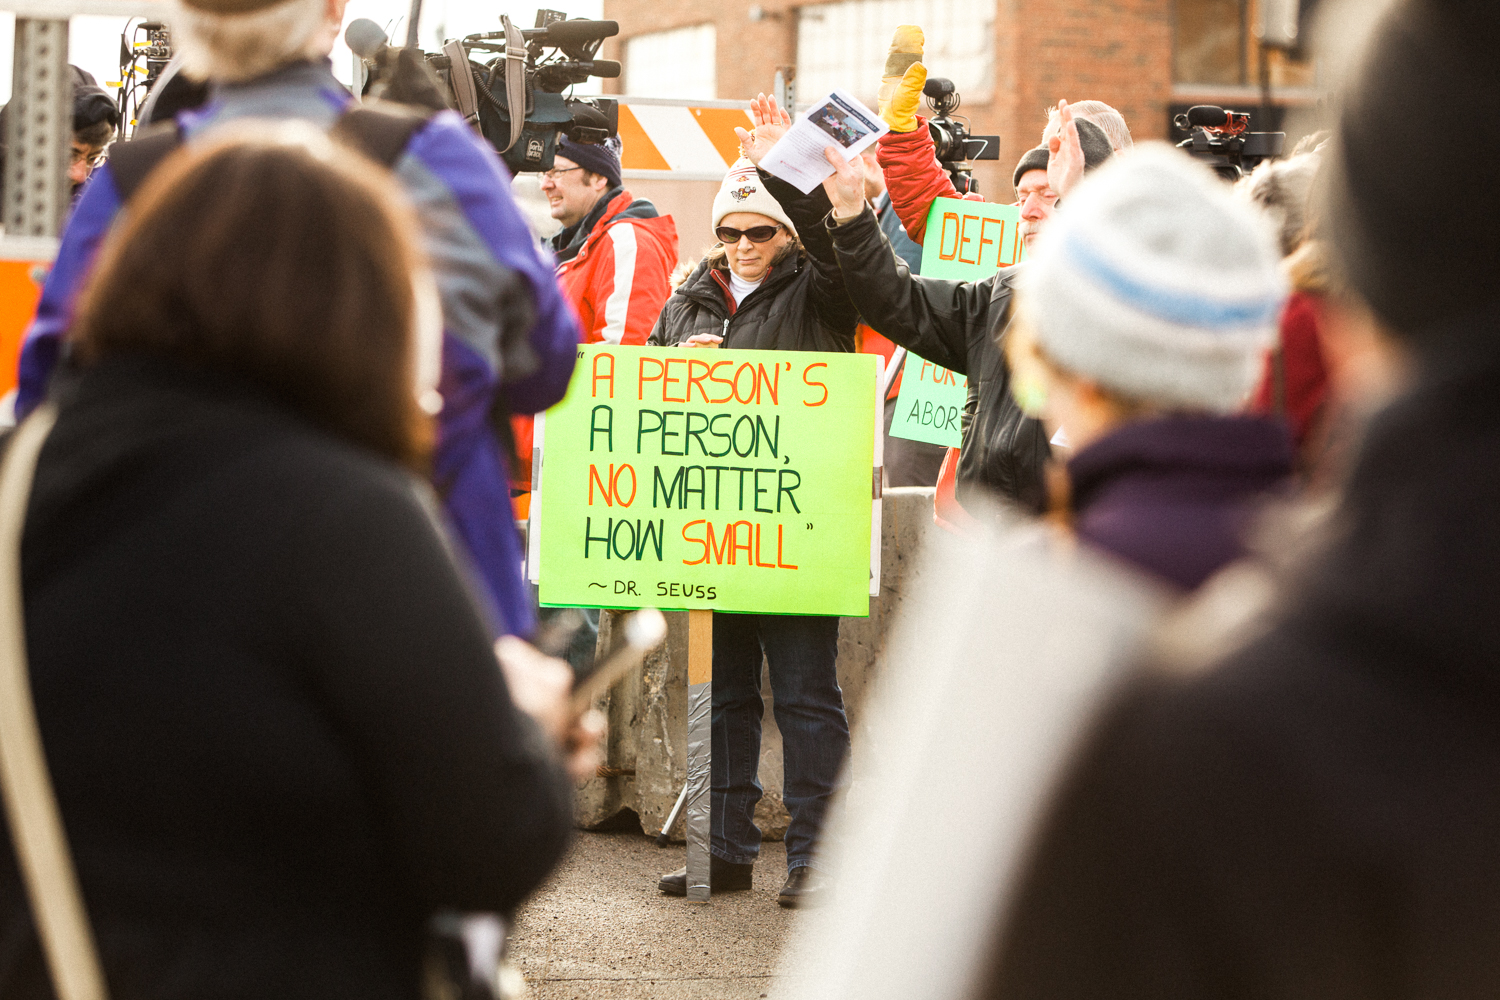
(615, 254)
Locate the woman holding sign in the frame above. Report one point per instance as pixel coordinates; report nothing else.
(771, 283)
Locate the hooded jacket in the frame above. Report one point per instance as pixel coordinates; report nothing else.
(800, 306)
(615, 266)
(956, 324)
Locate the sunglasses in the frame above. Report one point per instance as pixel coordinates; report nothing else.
(757, 234)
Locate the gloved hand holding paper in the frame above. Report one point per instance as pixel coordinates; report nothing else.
(837, 120)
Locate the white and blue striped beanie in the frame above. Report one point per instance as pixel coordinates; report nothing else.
(1155, 282)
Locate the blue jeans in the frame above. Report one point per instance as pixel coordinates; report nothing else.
(800, 651)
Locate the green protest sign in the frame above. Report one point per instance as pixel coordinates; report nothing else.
(964, 241)
(970, 240)
(695, 478)
(930, 404)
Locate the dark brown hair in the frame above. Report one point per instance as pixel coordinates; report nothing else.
(282, 260)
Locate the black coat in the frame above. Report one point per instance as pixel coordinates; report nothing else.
(801, 306)
(959, 325)
(1317, 815)
(278, 733)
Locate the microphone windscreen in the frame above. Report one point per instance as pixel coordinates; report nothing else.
(579, 31)
(1206, 116)
(937, 86)
(605, 68)
(364, 37)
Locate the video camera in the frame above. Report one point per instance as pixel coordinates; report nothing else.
(1223, 139)
(136, 80)
(507, 82)
(952, 141)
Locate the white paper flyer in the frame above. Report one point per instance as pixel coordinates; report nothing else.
(837, 120)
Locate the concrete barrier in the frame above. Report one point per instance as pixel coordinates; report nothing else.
(645, 763)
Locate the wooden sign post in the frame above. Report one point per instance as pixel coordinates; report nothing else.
(699, 749)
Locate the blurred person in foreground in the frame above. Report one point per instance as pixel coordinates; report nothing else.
(1313, 812)
(1142, 322)
(771, 283)
(958, 325)
(273, 715)
(1292, 794)
(509, 339)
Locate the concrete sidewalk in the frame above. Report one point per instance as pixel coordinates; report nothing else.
(600, 928)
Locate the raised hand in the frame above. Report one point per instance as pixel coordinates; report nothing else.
(1064, 153)
(846, 188)
(771, 123)
(901, 82)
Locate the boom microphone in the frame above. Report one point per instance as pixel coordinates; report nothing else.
(365, 38)
(578, 31)
(1206, 116)
(606, 69)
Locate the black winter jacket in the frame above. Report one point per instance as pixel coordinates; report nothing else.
(801, 306)
(959, 325)
(277, 730)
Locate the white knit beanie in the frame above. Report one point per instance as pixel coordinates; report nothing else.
(1154, 281)
(742, 191)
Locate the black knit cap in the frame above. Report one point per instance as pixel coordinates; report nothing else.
(601, 158)
(1421, 246)
(1096, 149)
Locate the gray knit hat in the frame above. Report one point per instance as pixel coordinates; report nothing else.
(1155, 282)
(1091, 139)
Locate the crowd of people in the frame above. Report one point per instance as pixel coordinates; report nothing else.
(277, 631)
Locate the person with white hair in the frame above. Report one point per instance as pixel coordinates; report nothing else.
(509, 338)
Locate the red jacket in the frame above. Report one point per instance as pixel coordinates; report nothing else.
(1304, 375)
(913, 176)
(620, 278)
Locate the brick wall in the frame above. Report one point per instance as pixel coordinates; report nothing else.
(1117, 51)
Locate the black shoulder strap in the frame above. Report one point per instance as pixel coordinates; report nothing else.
(380, 129)
(131, 161)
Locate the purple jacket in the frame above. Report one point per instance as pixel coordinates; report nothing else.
(478, 245)
(1172, 494)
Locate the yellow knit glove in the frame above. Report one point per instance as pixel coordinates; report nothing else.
(901, 84)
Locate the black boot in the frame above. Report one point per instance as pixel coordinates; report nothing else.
(805, 887)
(723, 876)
